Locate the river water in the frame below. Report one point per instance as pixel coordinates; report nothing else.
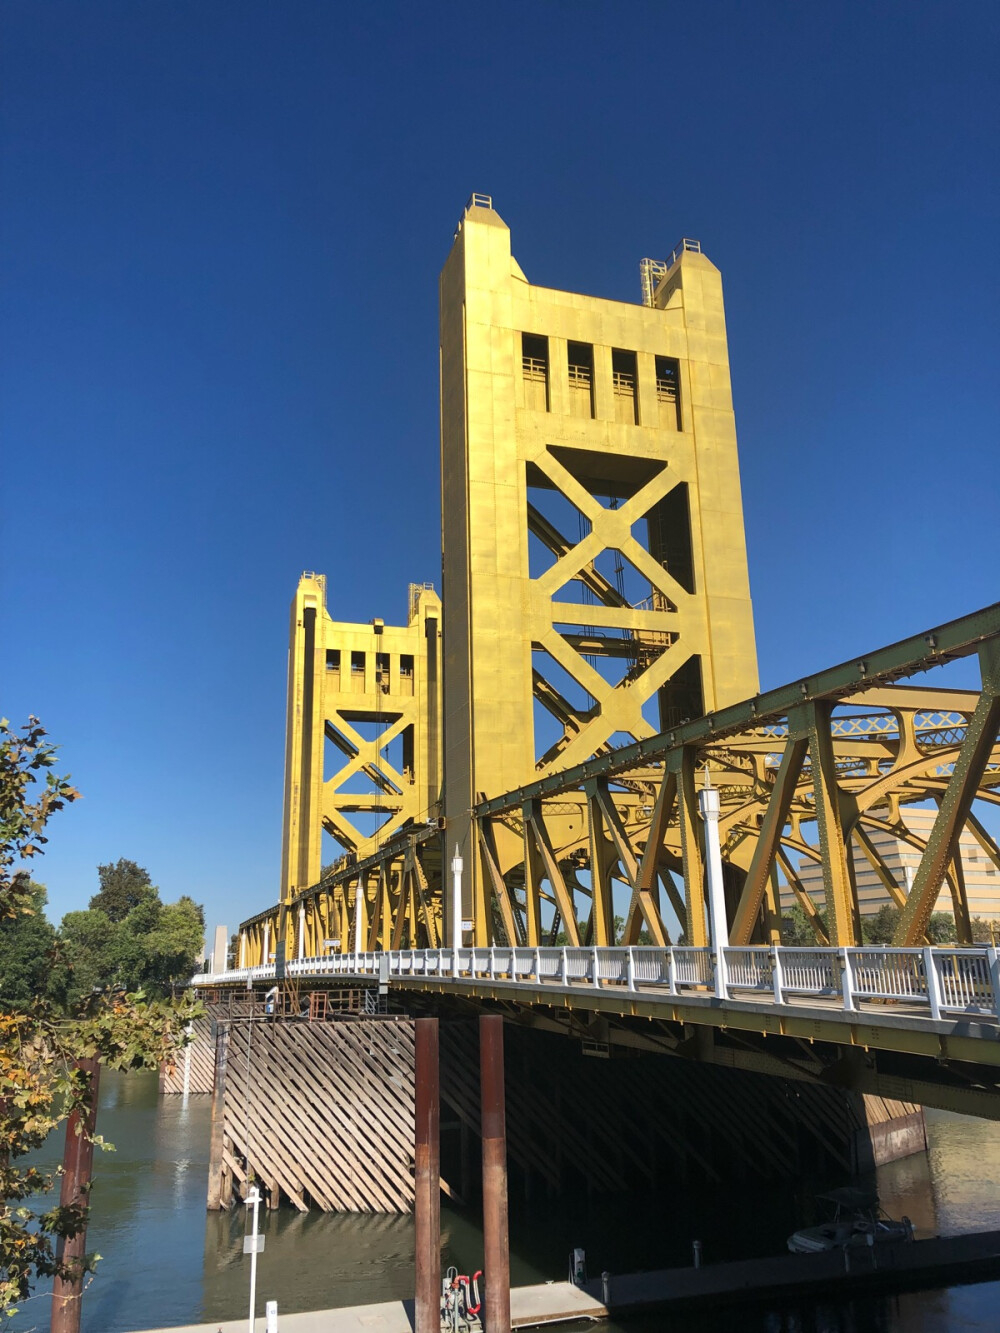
(167, 1261)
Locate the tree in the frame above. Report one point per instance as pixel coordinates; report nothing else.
(173, 947)
(29, 964)
(154, 947)
(796, 929)
(124, 886)
(880, 928)
(43, 1042)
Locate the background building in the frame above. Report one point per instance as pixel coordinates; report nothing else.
(900, 858)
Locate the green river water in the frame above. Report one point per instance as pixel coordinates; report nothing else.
(166, 1261)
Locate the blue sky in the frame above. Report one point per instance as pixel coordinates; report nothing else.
(220, 234)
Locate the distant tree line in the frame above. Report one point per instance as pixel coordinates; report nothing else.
(126, 939)
(881, 927)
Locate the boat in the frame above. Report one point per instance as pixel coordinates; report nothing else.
(858, 1219)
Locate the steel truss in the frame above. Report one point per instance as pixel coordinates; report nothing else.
(843, 751)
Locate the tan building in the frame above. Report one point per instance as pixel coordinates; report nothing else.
(595, 572)
(901, 858)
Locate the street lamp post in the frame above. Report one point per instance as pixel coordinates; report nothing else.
(457, 865)
(709, 807)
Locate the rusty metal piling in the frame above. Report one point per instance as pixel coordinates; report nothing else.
(427, 1177)
(78, 1161)
(496, 1243)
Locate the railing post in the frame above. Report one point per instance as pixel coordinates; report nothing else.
(594, 964)
(538, 965)
(631, 969)
(493, 963)
(671, 972)
(564, 967)
(846, 979)
(777, 979)
(932, 982)
(993, 962)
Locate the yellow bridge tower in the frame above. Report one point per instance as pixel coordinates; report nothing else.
(595, 571)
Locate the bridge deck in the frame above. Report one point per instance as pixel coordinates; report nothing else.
(942, 1003)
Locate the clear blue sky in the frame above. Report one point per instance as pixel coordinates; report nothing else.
(220, 234)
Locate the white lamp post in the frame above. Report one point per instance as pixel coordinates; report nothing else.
(457, 865)
(708, 806)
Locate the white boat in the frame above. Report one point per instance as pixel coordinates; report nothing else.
(857, 1220)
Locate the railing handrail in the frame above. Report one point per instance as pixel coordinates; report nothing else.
(950, 979)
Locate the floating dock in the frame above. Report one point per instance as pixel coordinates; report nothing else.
(921, 1263)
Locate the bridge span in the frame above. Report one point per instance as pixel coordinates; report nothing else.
(916, 1024)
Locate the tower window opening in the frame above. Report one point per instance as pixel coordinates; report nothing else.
(333, 659)
(406, 673)
(580, 357)
(668, 391)
(535, 368)
(358, 673)
(623, 376)
(382, 672)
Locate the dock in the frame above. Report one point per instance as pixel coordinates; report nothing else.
(530, 1307)
(923, 1263)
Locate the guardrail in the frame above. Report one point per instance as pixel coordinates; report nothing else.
(941, 981)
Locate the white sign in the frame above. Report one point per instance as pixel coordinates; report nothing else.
(467, 925)
(331, 944)
(253, 1244)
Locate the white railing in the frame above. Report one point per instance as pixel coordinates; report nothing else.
(920, 983)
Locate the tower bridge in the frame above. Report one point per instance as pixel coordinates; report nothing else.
(558, 792)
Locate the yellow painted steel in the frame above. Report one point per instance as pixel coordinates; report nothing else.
(586, 444)
(595, 438)
(357, 694)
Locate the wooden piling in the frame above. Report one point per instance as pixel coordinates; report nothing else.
(496, 1243)
(427, 1177)
(78, 1161)
(218, 1176)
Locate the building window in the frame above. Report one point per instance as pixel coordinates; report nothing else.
(623, 384)
(581, 379)
(668, 395)
(535, 368)
(333, 659)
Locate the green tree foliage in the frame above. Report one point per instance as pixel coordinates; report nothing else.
(42, 1040)
(24, 759)
(124, 886)
(796, 929)
(153, 947)
(880, 928)
(29, 964)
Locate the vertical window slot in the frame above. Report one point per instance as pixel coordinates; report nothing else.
(623, 375)
(668, 395)
(406, 673)
(357, 673)
(535, 368)
(580, 357)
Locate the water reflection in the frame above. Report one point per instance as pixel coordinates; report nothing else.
(169, 1262)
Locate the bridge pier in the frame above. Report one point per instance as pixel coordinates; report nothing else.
(322, 1114)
